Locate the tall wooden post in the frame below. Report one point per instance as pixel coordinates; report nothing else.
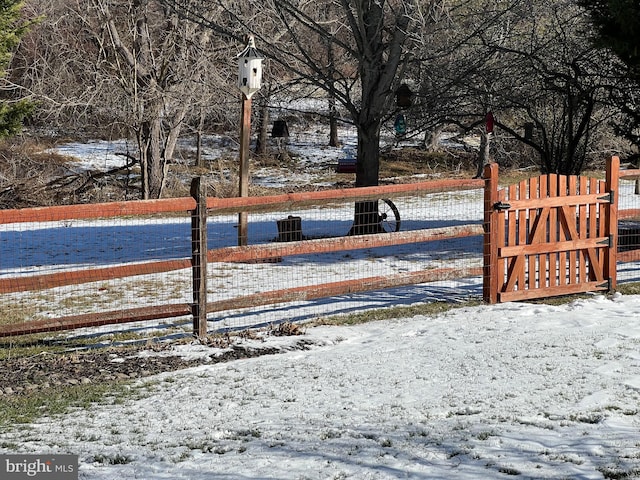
(611, 257)
(199, 257)
(490, 246)
(243, 187)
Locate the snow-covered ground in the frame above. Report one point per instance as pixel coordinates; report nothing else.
(513, 390)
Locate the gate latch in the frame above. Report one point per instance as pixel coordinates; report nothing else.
(501, 206)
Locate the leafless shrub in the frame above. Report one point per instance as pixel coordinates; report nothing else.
(26, 171)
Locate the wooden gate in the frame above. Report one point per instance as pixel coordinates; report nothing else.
(550, 235)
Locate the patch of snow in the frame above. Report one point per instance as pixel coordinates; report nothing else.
(533, 391)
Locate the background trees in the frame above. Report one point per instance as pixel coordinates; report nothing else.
(131, 68)
(153, 69)
(560, 86)
(371, 39)
(531, 66)
(617, 25)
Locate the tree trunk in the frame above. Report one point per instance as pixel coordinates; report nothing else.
(333, 123)
(156, 146)
(368, 166)
(432, 139)
(199, 158)
(263, 124)
(144, 161)
(155, 160)
(366, 218)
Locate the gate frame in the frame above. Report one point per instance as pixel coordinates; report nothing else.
(500, 258)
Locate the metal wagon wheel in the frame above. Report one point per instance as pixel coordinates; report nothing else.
(389, 215)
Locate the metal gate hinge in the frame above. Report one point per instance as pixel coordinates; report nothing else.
(501, 206)
(607, 241)
(608, 197)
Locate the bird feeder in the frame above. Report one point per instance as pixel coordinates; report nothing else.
(249, 69)
(400, 126)
(280, 129)
(528, 131)
(489, 122)
(404, 96)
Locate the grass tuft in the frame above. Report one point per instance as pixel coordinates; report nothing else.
(26, 408)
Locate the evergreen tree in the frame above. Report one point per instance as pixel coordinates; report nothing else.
(618, 27)
(12, 28)
(617, 24)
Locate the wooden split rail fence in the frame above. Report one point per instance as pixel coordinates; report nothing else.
(201, 208)
(550, 235)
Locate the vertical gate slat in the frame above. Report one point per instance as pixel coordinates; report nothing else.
(514, 273)
(532, 214)
(542, 258)
(553, 232)
(562, 235)
(602, 227)
(582, 219)
(573, 190)
(502, 238)
(522, 235)
(593, 223)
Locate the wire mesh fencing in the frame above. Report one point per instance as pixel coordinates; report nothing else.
(305, 256)
(629, 227)
(318, 266)
(67, 268)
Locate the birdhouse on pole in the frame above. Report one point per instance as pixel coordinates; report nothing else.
(249, 69)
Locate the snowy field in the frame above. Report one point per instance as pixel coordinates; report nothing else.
(488, 392)
(506, 391)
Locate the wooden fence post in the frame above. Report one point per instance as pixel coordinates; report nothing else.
(611, 257)
(199, 257)
(490, 246)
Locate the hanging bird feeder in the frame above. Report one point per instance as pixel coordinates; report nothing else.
(400, 126)
(528, 131)
(404, 96)
(489, 122)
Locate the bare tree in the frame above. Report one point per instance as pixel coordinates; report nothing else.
(156, 59)
(371, 39)
(563, 86)
(135, 66)
(527, 63)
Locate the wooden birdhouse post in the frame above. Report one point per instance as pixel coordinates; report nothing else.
(249, 82)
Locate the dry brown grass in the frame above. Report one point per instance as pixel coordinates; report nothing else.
(26, 173)
(409, 162)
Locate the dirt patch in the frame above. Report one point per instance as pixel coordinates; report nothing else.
(22, 375)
